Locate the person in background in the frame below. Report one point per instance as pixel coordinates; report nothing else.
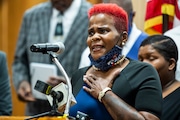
(161, 52)
(39, 26)
(135, 36)
(114, 87)
(5, 93)
(174, 33)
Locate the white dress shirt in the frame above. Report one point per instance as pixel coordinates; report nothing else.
(67, 20)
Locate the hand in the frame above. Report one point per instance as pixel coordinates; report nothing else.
(55, 80)
(24, 92)
(96, 83)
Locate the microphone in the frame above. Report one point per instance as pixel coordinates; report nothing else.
(48, 90)
(60, 92)
(48, 47)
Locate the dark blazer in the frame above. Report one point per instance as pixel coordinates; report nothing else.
(5, 92)
(35, 29)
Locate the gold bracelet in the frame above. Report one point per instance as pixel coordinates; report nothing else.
(102, 93)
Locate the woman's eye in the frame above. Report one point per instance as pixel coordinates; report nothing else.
(151, 58)
(90, 33)
(102, 31)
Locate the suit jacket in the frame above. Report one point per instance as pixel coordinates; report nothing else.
(35, 29)
(5, 92)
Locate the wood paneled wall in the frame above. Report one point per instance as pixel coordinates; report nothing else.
(11, 12)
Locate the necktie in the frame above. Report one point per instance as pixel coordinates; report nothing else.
(59, 28)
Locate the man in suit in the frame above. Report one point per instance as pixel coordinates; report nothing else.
(38, 26)
(135, 36)
(5, 92)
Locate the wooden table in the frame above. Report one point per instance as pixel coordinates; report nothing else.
(24, 117)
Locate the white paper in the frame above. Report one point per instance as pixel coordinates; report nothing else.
(40, 71)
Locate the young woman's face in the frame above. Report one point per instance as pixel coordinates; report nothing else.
(148, 54)
(102, 35)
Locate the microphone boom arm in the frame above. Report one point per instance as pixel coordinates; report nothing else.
(55, 60)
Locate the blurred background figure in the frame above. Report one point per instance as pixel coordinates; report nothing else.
(53, 21)
(135, 36)
(161, 52)
(5, 93)
(175, 35)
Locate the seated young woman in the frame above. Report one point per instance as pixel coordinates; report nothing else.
(161, 52)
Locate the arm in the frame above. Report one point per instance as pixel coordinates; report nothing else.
(123, 110)
(21, 73)
(5, 93)
(20, 65)
(120, 109)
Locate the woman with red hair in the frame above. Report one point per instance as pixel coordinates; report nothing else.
(113, 86)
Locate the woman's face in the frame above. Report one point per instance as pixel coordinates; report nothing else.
(148, 54)
(102, 35)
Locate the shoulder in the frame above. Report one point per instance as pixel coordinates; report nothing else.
(77, 80)
(2, 56)
(3, 61)
(86, 4)
(177, 85)
(79, 73)
(144, 35)
(135, 64)
(39, 8)
(140, 70)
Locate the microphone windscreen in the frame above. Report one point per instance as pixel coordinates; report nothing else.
(61, 47)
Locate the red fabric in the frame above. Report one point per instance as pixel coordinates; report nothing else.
(153, 9)
(177, 10)
(169, 1)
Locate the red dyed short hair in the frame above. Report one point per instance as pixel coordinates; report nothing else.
(118, 13)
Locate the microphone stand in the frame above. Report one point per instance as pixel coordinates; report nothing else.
(80, 115)
(55, 60)
(54, 111)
